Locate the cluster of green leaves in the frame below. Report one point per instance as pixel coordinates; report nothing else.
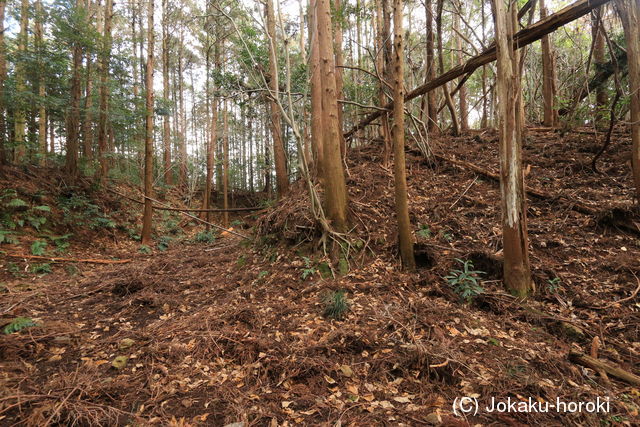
(309, 269)
(205, 237)
(465, 282)
(18, 324)
(336, 305)
(16, 213)
(78, 209)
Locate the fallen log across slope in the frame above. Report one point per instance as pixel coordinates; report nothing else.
(522, 38)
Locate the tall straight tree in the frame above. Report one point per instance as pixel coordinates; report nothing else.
(316, 93)
(148, 140)
(335, 185)
(339, 74)
(445, 87)
(548, 75)
(399, 168)
(282, 177)
(3, 78)
(19, 117)
(166, 129)
(629, 12)
(429, 104)
(73, 111)
(42, 112)
(599, 60)
(105, 59)
(213, 137)
(517, 273)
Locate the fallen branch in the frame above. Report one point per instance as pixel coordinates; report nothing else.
(630, 297)
(522, 38)
(162, 208)
(219, 227)
(57, 259)
(599, 365)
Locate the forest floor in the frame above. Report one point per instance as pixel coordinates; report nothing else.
(227, 331)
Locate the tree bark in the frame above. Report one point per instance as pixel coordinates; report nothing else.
(225, 164)
(3, 78)
(385, 38)
(597, 33)
(339, 75)
(148, 140)
(629, 12)
(429, 104)
(280, 159)
(213, 138)
(455, 126)
(103, 142)
(19, 116)
(462, 92)
(166, 129)
(335, 186)
(316, 93)
(548, 76)
(399, 168)
(42, 112)
(517, 274)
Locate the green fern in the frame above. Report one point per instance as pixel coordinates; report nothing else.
(18, 324)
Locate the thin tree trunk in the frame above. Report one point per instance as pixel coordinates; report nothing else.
(335, 186)
(629, 12)
(430, 107)
(599, 60)
(42, 112)
(166, 130)
(148, 141)
(19, 116)
(182, 138)
(447, 96)
(548, 76)
(3, 78)
(282, 178)
(103, 142)
(87, 134)
(225, 164)
(73, 112)
(517, 274)
(316, 93)
(462, 92)
(399, 169)
(385, 38)
(339, 74)
(213, 137)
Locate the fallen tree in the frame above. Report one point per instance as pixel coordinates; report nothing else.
(522, 38)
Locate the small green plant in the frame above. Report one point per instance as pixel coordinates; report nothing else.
(309, 269)
(144, 249)
(38, 247)
(163, 243)
(336, 305)
(44, 268)
(553, 285)
(465, 282)
(61, 242)
(447, 236)
(205, 237)
(18, 324)
(242, 261)
(237, 223)
(262, 275)
(14, 269)
(424, 231)
(8, 237)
